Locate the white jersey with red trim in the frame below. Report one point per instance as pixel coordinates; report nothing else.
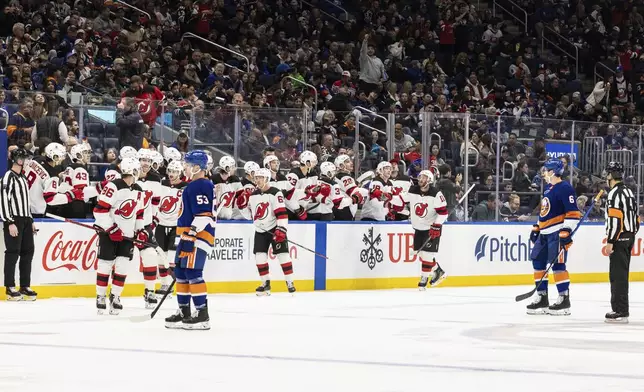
(76, 176)
(400, 185)
(113, 173)
(349, 188)
(170, 204)
(44, 186)
(329, 197)
(119, 207)
(375, 206)
(299, 181)
(151, 187)
(292, 195)
(426, 208)
(225, 193)
(267, 209)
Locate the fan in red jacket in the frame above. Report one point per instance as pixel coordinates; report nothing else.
(148, 98)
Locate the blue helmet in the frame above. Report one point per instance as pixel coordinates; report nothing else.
(198, 158)
(556, 165)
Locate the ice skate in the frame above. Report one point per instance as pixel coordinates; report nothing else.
(422, 285)
(438, 276)
(264, 289)
(176, 320)
(561, 307)
(539, 305)
(28, 294)
(291, 287)
(616, 318)
(164, 289)
(115, 305)
(198, 321)
(13, 294)
(101, 304)
(150, 299)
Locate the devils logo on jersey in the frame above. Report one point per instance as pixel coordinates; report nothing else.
(261, 211)
(396, 190)
(126, 209)
(169, 204)
(227, 199)
(420, 209)
(146, 198)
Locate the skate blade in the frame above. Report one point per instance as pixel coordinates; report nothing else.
(439, 281)
(561, 312)
(27, 298)
(263, 294)
(538, 312)
(14, 299)
(115, 312)
(100, 312)
(178, 325)
(422, 288)
(150, 305)
(621, 320)
(203, 326)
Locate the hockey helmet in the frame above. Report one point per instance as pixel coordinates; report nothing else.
(55, 152)
(428, 174)
(19, 154)
(197, 158)
(157, 160)
(227, 164)
(380, 169)
(130, 166)
(263, 173)
(365, 178)
(341, 162)
(268, 160)
(171, 154)
(615, 169)
(556, 165)
(174, 169)
(127, 152)
(328, 169)
(81, 152)
(251, 168)
(308, 159)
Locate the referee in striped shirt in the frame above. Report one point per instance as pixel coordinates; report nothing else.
(622, 223)
(19, 228)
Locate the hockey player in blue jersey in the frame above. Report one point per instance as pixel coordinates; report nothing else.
(558, 217)
(196, 228)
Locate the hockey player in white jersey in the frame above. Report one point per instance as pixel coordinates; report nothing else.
(117, 217)
(303, 176)
(292, 195)
(376, 207)
(149, 182)
(428, 213)
(243, 194)
(227, 186)
(169, 207)
(271, 223)
(400, 184)
(348, 187)
(42, 178)
(169, 154)
(326, 195)
(76, 176)
(114, 171)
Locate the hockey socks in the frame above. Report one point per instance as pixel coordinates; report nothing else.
(263, 271)
(543, 286)
(562, 280)
(287, 268)
(183, 287)
(118, 281)
(427, 263)
(149, 277)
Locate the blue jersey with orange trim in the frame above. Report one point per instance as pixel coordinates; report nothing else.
(558, 208)
(198, 213)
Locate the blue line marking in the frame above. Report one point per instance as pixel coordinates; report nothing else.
(319, 282)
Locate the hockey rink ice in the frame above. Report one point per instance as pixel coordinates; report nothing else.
(444, 339)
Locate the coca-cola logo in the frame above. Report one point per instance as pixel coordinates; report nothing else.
(72, 254)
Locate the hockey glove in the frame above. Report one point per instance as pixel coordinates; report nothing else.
(301, 213)
(325, 190)
(534, 234)
(279, 235)
(116, 235)
(100, 185)
(312, 191)
(565, 238)
(142, 236)
(357, 198)
(79, 194)
(435, 231)
(187, 244)
(242, 200)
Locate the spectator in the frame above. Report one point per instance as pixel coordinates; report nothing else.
(50, 127)
(485, 211)
(181, 143)
(509, 211)
(130, 124)
(21, 124)
(451, 188)
(404, 142)
(372, 70)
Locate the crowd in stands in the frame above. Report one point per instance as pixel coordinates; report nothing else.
(410, 58)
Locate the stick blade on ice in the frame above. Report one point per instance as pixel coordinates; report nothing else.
(141, 318)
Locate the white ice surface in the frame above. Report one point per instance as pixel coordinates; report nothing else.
(447, 339)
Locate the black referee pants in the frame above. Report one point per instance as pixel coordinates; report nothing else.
(20, 248)
(620, 261)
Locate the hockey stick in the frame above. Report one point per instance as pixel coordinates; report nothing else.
(298, 245)
(60, 218)
(146, 317)
(457, 204)
(529, 294)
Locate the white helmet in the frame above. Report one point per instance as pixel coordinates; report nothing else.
(381, 166)
(265, 173)
(251, 167)
(269, 159)
(365, 178)
(130, 166)
(210, 163)
(157, 160)
(171, 154)
(227, 164)
(341, 160)
(127, 152)
(428, 174)
(308, 158)
(56, 152)
(175, 166)
(81, 152)
(328, 169)
(144, 153)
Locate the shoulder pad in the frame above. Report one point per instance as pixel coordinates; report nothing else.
(135, 187)
(121, 184)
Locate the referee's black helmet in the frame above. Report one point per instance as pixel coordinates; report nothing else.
(19, 154)
(615, 169)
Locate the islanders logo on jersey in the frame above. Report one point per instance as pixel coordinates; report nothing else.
(420, 209)
(261, 211)
(545, 207)
(126, 209)
(169, 204)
